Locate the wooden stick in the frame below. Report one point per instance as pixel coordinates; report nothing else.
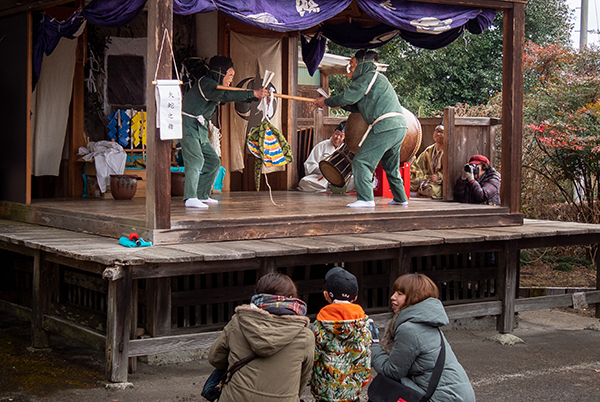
(298, 98)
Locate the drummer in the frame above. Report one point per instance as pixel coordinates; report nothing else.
(314, 182)
(372, 95)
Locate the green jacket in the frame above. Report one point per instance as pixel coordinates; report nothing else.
(203, 99)
(286, 349)
(415, 351)
(380, 100)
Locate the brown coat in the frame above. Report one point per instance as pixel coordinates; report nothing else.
(286, 349)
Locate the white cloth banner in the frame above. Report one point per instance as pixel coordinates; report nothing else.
(168, 109)
(50, 108)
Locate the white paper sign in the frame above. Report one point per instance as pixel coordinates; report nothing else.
(168, 109)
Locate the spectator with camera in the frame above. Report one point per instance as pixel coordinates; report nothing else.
(479, 183)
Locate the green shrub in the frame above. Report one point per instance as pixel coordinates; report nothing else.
(563, 266)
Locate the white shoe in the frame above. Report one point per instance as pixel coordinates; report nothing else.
(195, 203)
(210, 201)
(362, 204)
(404, 204)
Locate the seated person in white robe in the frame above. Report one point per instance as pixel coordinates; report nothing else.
(314, 182)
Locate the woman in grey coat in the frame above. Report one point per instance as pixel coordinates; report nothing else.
(410, 344)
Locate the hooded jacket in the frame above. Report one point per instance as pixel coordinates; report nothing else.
(381, 99)
(342, 354)
(285, 346)
(203, 99)
(415, 351)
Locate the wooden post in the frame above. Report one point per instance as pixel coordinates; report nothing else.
(158, 163)
(134, 321)
(290, 113)
(118, 324)
(357, 268)
(507, 285)
(158, 302)
(597, 261)
(512, 106)
(450, 142)
(399, 266)
(40, 300)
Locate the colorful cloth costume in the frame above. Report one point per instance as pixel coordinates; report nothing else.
(415, 350)
(427, 164)
(285, 346)
(485, 190)
(342, 352)
(269, 147)
(372, 95)
(198, 154)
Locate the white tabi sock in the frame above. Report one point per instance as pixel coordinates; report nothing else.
(393, 202)
(362, 204)
(210, 201)
(195, 203)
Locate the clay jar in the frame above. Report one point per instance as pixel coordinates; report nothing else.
(177, 183)
(123, 186)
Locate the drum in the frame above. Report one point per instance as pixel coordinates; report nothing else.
(356, 128)
(338, 166)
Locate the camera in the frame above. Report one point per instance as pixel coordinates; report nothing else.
(473, 168)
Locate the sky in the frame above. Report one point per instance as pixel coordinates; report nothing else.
(593, 21)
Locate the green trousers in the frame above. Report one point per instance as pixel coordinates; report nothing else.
(384, 147)
(199, 156)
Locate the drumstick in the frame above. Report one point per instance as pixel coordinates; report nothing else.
(298, 98)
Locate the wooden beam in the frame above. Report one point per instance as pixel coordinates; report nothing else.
(512, 107)
(72, 330)
(158, 163)
(10, 7)
(164, 344)
(470, 310)
(29, 151)
(546, 302)
(158, 303)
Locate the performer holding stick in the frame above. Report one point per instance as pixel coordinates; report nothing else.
(371, 95)
(199, 106)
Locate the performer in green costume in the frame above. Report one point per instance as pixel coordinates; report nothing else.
(199, 105)
(372, 95)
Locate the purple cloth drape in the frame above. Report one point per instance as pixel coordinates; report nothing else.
(48, 31)
(112, 13)
(280, 15)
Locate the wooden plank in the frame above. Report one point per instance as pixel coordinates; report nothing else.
(470, 310)
(316, 245)
(264, 248)
(72, 330)
(216, 251)
(207, 296)
(407, 239)
(490, 234)
(158, 304)
(175, 343)
(193, 268)
(451, 236)
(134, 323)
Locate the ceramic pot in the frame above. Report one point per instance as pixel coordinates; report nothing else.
(123, 186)
(177, 183)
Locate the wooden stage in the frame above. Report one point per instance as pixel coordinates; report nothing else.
(252, 215)
(180, 294)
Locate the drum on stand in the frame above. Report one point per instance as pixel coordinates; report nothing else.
(337, 168)
(356, 128)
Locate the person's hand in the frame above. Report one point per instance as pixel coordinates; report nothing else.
(467, 173)
(319, 102)
(261, 93)
(374, 331)
(434, 177)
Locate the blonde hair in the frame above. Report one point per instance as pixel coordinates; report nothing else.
(416, 287)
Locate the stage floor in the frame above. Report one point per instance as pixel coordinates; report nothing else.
(254, 215)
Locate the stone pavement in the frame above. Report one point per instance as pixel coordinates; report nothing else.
(558, 360)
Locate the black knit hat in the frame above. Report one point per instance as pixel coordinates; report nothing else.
(341, 127)
(220, 64)
(341, 284)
